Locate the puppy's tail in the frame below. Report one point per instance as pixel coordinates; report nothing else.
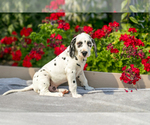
(19, 90)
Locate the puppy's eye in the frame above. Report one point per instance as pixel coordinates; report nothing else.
(79, 44)
(89, 44)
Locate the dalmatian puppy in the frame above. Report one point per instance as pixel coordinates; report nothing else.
(64, 68)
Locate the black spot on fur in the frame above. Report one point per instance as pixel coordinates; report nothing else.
(76, 58)
(72, 71)
(78, 64)
(63, 58)
(78, 76)
(84, 59)
(40, 70)
(54, 59)
(43, 69)
(37, 76)
(74, 81)
(44, 83)
(54, 64)
(45, 75)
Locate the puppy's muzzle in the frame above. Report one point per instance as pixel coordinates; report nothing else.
(84, 53)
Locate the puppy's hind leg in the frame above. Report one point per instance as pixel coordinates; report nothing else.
(46, 92)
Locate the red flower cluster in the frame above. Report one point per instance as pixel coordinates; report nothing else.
(26, 61)
(54, 5)
(130, 51)
(26, 31)
(14, 33)
(77, 28)
(54, 40)
(106, 30)
(133, 30)
(16, 56)
(59, 50)
(98, 34)
(27, 40)
(36, 53)
(131, 75)
(7, 50)
(63, 25)
(87, 29)
(8, 40)
(112, 50)
(146, 63)
(55, 16)
(131, 40)
(114, 26)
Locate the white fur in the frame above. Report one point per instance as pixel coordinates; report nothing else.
(62, 69)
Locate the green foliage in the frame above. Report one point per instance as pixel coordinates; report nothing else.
(131, 15)
(16, 21)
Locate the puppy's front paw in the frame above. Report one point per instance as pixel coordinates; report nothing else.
(88, 88)
(76, 95)
(60, 94)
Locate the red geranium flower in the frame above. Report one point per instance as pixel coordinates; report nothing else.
(87, 29)
(16, 56)
(52, 35)
(146, 63)
(131, 75)
(133, 30)
(7, 50)
(63, 25)
(26, 31)
(77, 28)
(53, 5)
(28, 40)
(14, 33)
(27, 63)
(59, 50)
(114, 50)
(54, 16)
(8, 40)
(98, 34)
(59, 37)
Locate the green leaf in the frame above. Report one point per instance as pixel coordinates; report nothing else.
(133, 8)
(123, 4)
(133, 20)
(123, 15)
(126, 26)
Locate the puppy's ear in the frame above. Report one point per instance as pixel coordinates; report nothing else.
(95, 48)
(72, 47)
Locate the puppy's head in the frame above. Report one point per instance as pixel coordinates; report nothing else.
(82, 44)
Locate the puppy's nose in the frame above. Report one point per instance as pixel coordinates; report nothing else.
(84, 53)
